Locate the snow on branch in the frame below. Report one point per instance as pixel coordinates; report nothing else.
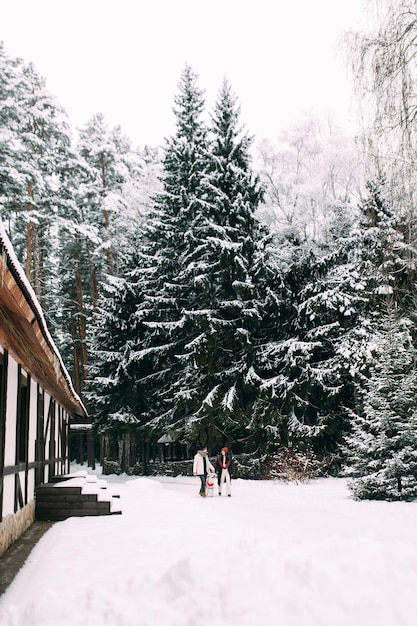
(196, 342)
(123, 417)
(210, 397)
(165, 325)
(225, 244)
(229, 398)
(138, 355)
(251, 376)
(304, 430)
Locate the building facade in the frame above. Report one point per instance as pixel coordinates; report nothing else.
(37, 400)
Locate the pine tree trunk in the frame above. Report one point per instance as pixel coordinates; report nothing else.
(91, 457)
(144, 445)
(40, 274)
(103, 447)
(133, 449)
(29, 236)
(80, 328)
(92, 278)
(91, 272)
(106, 217)
(399, 484)
(76, 360)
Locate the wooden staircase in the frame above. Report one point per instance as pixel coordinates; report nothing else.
(75, 495)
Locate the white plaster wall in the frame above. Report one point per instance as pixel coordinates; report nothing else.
(8, 495)
(31, 485)
(10, 436)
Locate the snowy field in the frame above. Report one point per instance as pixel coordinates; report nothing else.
(272, 555)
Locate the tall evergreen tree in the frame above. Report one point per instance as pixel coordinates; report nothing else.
(382, 448)
(47, 140)
(336, 295)
(12, 180)
(383, 271)
(111, 385)
(35, 142)
(207, 306)
(198, 306)
(221, 318)
(112, 164)
(138, 318)
(89, 235)
(165, 239)
(305, 382)
(223, 321)
(77, 290)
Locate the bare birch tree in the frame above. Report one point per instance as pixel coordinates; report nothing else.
(384, 68)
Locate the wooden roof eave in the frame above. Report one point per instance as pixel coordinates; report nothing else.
(24, 335)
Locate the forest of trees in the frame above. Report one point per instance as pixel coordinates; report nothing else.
(218, 291)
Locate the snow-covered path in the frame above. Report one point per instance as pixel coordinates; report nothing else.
(273, 554)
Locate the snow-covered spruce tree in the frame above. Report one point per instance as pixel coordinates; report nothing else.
(160, 244)
(77, 290)
(385, 261)
(40, 176)
(382, 448)
(117, 333)
(90, 242)
(12, 182)
(310, 208)
(116, 399)
(36, 140)
(137, 192)
(305, 382)
(212, 397)
(112, 164)
(47, 139)
(382, 355)
(336, 295)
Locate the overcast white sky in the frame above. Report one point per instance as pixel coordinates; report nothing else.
(124, 58)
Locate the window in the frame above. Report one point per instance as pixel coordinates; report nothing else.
(40, 441)
(22, 426)
(3, 379)
(3, 390)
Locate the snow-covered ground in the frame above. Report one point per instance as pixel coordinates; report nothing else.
(271, 555)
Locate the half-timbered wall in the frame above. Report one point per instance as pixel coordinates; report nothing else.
(37, 398)
(34, 429)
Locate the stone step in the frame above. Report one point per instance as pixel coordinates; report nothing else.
(75, 496)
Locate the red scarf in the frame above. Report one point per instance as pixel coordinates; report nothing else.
(223, 462)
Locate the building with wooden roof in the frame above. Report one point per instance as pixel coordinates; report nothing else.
(37, 400)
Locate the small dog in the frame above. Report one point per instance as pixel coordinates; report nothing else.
(210, 482)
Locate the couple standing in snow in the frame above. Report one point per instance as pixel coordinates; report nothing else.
(202, 466)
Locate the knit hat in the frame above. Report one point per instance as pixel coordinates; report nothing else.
(225, 450)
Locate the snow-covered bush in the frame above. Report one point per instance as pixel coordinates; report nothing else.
(111, 467)
(295, 466)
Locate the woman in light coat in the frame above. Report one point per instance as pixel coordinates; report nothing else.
(201, 466)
